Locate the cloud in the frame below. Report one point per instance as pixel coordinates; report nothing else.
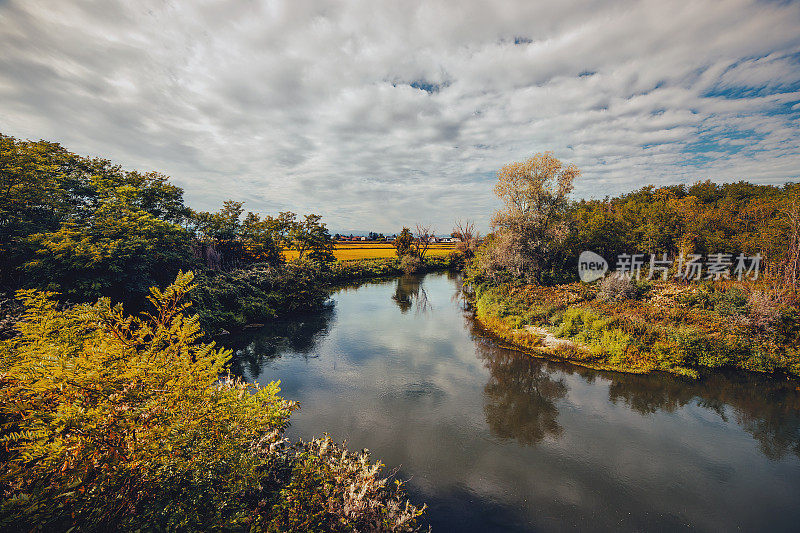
(375, 114)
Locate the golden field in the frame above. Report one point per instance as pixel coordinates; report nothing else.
(368, 250)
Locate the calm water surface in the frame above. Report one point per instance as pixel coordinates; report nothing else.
(494, 440)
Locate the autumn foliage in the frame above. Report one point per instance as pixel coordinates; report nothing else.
(109, 422)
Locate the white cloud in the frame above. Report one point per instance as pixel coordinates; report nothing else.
(309, 105)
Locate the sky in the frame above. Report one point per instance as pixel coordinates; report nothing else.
(377, 114)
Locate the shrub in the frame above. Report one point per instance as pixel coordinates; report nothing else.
(657, 333)
(617, 287)
(701, 297)
(112, 422)
(615, 345)
(699, 349)
(731, 302)
(234, 299)
(765, 307)
(332, 489)
(410, 264)
(576, 320)
(642, 288)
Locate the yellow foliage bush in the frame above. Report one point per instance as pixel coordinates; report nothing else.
(112, 422)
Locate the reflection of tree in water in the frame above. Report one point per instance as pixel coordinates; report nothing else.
(520, 395)
(765, 407)
(298, 334)
(409, 290)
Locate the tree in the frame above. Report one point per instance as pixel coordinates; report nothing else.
(217, 236)
(120, 251)
(312, 240)
(533, 220)
(259, 240)
(43, 186)
(404, 243)
(32, 198)
(226, 241)
(281, 226)
(468, 238)
(425, 235)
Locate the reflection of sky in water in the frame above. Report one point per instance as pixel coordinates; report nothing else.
(492, 439)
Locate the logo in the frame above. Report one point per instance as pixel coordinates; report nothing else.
(591, 266)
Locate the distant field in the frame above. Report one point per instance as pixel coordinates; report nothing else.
(367, 250)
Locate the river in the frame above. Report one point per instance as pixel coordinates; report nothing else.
(495, 440)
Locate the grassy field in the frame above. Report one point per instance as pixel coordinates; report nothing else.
(370, 250)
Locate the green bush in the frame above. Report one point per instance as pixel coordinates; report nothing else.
(698, 349)
(615, 343)
(642, 289)
(702, 297)
(731, 302)
(261, 292)
(576, 320)
(410, 264)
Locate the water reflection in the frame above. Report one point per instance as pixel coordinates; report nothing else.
(767, 408)
(409, 291)
(497, 440)
(299, 335)
(522, 390)
(520, 396)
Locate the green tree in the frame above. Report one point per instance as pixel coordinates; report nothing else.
(404, 243)
(312, 240)
(259, 240)
(226, 241)
(281, 226)
(120, 251)
(44, 188)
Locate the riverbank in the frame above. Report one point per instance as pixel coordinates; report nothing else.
(227, 301)
(663, 326)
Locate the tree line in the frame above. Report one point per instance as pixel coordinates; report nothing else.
(86, 228)
(539, 232)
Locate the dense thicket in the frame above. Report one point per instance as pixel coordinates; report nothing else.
(703, 218)
(542, 242)
(83, 226)
(86, 228)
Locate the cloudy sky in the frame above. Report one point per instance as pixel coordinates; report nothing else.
(376, 114)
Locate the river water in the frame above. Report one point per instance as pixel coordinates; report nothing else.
(495, 440)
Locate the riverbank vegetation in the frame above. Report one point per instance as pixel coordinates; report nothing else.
(248, 296)
(672, 327)
(116, 422)
(525, 288)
